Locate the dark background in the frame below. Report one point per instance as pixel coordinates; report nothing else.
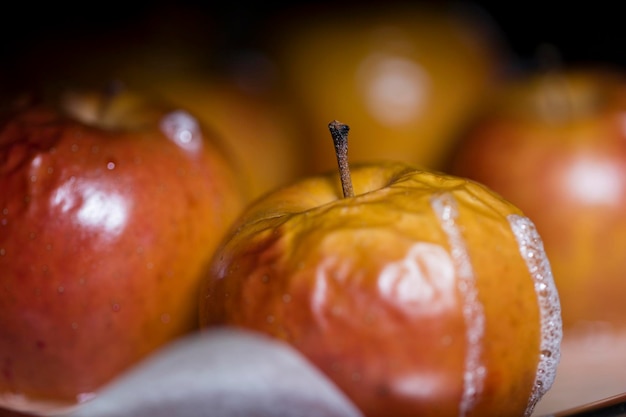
(582, 32)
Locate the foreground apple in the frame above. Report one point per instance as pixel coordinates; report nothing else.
(413, 74)
(110, 205)
(417, 293)
(554, 144)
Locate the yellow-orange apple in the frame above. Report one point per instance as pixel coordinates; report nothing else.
(416, 292)
(110, 205)
(412, 74)
(554, 144)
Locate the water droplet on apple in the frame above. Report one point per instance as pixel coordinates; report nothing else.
(542, 289)
(110, 165)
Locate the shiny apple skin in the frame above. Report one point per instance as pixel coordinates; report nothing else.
(370, 289)
(103, 233)
(555, 145)
(413, 74)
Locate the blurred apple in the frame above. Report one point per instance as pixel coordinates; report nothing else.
(411, 73)
(110, 205)
(259, 129)
(417, 293)
(171, 55)
(554, 144)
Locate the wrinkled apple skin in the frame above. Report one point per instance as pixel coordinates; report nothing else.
(106, 221)
(371, 290)
(554, 144)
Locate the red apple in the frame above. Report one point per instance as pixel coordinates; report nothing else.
(109, 208)
(170, 54)
(416, 292)
(411, 73)
(555, 145)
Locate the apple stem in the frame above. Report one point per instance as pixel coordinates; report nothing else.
(339, 132)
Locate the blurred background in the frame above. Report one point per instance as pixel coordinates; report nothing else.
(582, 31)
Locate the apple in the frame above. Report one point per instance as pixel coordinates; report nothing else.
(416, 292)
(170, 56)
(258, 126)
(554, 144)
(413, 74)
(110, 205)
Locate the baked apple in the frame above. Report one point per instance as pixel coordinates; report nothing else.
(412, 73)
(110, 205)
(416, 292)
